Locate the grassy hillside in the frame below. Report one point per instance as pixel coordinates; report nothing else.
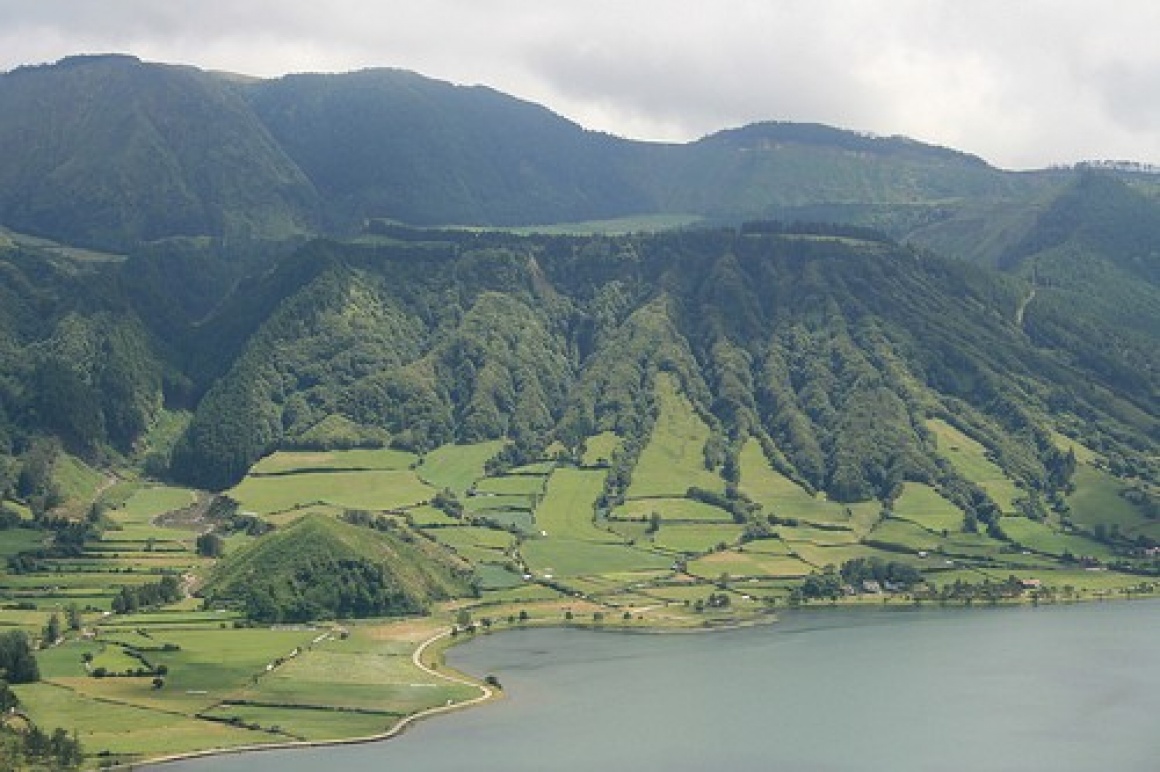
(322, 566)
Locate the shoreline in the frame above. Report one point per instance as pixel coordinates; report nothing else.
(488, 693)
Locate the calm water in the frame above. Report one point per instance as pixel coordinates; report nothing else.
(1075, 688)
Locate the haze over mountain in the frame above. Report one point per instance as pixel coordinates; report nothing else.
(111, 152)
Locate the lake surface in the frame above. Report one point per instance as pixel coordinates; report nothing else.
(1051, 688)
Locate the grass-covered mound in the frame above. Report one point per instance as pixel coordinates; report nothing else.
(321, 567)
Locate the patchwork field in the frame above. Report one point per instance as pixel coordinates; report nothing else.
(972, 460)
(542, 553)
(376, 490)
(674, 458)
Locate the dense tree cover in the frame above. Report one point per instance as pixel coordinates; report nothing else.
(141, 153)
(829, 344)
(130, 599)
(36, 749)
(17, 663)
(319, 567)
(833, 350)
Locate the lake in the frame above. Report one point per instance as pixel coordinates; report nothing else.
(1050, 688)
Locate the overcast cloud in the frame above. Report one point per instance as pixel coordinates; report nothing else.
(1022, 83)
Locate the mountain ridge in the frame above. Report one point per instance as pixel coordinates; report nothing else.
(112, 152)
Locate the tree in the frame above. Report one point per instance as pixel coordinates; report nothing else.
(210, 545)
(16, 659)
(654, 522)
(51, 631)
(73, 614)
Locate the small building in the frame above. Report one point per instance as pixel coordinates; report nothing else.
(871, 586)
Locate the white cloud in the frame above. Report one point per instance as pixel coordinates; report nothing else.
(1020, 82)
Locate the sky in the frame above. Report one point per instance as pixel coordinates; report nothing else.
(1022, 83)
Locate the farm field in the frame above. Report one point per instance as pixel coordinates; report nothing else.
(781, 496)
(376, 490)
(567, 509)
(672, 509)
(284, 461)
(456, 466)
(695, 539)
(673, 460)
(925, 507)
(972, 461)
(229, 683)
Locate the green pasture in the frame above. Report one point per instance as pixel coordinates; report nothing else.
(905, 535)
(630, 531)
(972, 545)
(599, 448)
(429, 516)
(481, 505)
(747, 564)
(295, 514)
(115, 660)
(672, 509)
(210, 665)
(674, 458)
(566, 511)
(520, 519)
(16, 540)
(457, 466)
(820, 556)
(51, 583)
(147, 503)
(283, 462)
(924, 506)
(1041, 537)
(77, 481)
(360, 672)
(512, 485)
(1083, 454)
(65, 660)
(476, 544)
(165, 618)
(474, 536)
(528, 592)
(496, 577)
(780, 495)
(535, 469)
(617, 226)
(695, 539)
(372, 490)
(306, 723)
(119, 728)
(972, 460)
(561, 557)
(1097, 500)
(819, 536)
(774, 546)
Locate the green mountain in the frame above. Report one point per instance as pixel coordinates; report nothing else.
(1014, 307)
(320, 566)
(831, 345)
(113, 152)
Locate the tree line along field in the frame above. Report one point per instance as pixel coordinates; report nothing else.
(180, 677)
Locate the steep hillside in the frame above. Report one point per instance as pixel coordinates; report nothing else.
(320, 566)
(393, 144)
(111, 151)
(832, 346)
